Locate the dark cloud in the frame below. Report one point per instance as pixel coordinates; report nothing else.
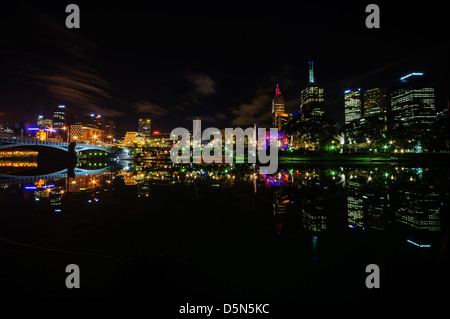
(63, 62)
(203, 84)
(258, 111)
(151, 109)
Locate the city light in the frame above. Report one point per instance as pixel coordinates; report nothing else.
(418, 245)
(409, 75)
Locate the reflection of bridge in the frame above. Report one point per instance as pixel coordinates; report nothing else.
(13, 179)
(8, 142)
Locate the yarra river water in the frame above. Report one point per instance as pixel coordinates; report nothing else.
(158, 231)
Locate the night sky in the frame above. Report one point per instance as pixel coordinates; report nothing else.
(218, 61)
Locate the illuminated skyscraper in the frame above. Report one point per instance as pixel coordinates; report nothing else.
(59, 117)
(145, 127)
(412, 104)
(352, 106)
(278, 107)
(312, 96)
(376, 101)
(110, 129)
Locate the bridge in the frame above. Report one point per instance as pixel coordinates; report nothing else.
(9, 142)
(14, 179)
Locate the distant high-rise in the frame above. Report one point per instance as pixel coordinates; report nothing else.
(376, 102)
(278, 107)
(352, 106)
(145, 127)
(110, 129)
(412, 104)
(59, 117)
(312, 96)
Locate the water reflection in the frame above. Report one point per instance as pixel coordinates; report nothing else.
(318, 211)
(375, 198)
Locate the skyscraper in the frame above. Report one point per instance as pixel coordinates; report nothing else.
(412, 104)
(352, 106)
(145, 127)
(110, 129)
(376, 102)
(312, 96)
(59, 117)
(278, 107)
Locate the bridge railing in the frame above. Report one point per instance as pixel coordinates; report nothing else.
(30, 141)
(33, 141)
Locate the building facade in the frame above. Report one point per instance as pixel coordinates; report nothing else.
(85, 134)
(145, 127)
(352, 105)
(278, 108)
(376, 102)
(312, 96)
(413, 105)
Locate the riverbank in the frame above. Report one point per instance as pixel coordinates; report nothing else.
(359, 157)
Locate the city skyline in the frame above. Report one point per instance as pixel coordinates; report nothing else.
(276, 153)
(232, 87)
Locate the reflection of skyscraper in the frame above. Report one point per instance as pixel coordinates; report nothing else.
(143, 189)
(280, 201)
(354, 203)
(368, 204)
(352, 105)
(312, 96)
(278, 107)
(419, 208)
(313, 201)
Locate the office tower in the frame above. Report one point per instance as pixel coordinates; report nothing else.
(145, 127)
(92, 120)
(278, 107)
(40, 120)
(412, 104)
(312, 96)
(375, 102)
(352, 105)
(110, 129)
(59, 117)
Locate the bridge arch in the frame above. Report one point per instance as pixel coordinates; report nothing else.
(10, 142)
